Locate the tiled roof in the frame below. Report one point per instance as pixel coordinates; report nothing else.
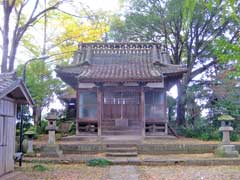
(9, 82)
(119, 62)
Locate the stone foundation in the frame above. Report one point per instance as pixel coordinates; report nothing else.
(226, 151)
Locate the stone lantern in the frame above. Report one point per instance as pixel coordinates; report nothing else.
(30, 135)
(226, 127)
(51, 117)
(226, 149)
(52, 149)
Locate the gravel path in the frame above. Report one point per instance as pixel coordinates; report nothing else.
(83, 172)
(123, 173)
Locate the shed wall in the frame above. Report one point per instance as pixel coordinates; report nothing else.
(7, 135)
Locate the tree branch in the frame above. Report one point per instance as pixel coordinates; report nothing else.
(1, 30)
(202, 69)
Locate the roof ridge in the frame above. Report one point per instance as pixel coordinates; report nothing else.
(121, 45)
(11, 75)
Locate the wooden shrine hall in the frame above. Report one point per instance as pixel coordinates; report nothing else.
(120, 88)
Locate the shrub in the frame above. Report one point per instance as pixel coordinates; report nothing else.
(72, 129)
(41, 129)
(234, 136)
(99, 162)
(205, 132)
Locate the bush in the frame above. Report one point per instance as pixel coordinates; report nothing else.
(205, 133)
(72, 129)
(41, 129)
(234, 136)
(99, 162)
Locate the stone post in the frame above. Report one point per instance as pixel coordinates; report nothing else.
(226, 134)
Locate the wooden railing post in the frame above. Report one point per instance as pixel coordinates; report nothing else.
(142, 110)
(77, 113)
(100, 109)
(165, 112)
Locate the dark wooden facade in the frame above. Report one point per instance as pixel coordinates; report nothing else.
(121, 88)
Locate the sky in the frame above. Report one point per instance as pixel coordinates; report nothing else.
(106, 5)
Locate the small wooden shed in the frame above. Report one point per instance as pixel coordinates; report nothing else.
(13, 92)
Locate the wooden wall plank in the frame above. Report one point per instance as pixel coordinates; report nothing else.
(1, 106)
(1, 131)
(10, 144)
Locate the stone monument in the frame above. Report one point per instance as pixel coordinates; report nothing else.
(52, 149)
(226, 149)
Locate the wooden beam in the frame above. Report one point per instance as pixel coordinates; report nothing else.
(165, 112)
(142, 111)
(77, 112)
(100, 109)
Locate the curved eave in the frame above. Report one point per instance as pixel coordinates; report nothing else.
(69, 78)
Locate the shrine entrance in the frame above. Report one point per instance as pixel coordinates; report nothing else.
(121, 113)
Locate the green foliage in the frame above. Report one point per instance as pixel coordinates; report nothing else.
(99, 162)
(40, 168)
(72, 129)
(40, 81)
(228, 51)
(234, 136)
(204, 132)
(41, 129)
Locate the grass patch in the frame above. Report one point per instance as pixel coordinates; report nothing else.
(99, 162)
(40, 168)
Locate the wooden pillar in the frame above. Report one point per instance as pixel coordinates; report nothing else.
(142, 111)
(165, 112)
(77, 112)
(100, 109)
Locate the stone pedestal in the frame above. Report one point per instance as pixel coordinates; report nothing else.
(51, 137)
(226, 151)
(226, 134)
(30, 146)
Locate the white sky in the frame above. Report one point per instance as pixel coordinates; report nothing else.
(106, 5)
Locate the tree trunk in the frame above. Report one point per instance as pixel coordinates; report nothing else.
(181, 103)
(13, 55)
(5, 39)
(37, 112)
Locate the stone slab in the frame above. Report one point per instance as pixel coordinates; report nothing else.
(51, 151)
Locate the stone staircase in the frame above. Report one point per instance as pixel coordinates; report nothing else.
(109, 128)
(121, 150)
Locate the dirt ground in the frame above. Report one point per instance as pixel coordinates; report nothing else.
(83, 172)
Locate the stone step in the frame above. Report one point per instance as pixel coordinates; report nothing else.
(121, 149)
(123, 144)
(104, 127)
(122, 154)
(114, 132)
